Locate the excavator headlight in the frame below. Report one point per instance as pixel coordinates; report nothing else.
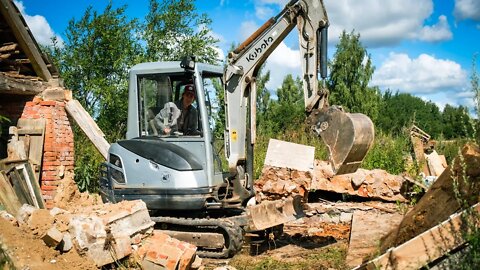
(116, 171)
(117, 176)
(188, 63)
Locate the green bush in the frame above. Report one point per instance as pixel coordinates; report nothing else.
(388, 153)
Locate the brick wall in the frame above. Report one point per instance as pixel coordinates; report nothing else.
(58, 151)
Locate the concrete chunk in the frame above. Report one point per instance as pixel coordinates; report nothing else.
(52, 237)
(24, 213)
(66, 244)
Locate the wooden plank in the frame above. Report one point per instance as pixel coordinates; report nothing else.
(426, 247)
(27, 175)
(8, 198)
(290, 155)
(34, 140)
(435, 163)
(368, 227)
(20, 187)
(25, 38)
(9, 47)
(88, 125)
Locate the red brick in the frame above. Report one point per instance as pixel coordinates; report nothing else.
(37, 100)
(48, 103)
(49, 188)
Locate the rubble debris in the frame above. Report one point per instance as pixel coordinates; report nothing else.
(52, 237)
(276, 183)
(69, 197)
(161, 251)
(27, 251)
(105, 233)
(442, 199)
(371, 184)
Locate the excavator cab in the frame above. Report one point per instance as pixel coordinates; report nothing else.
(168, 157)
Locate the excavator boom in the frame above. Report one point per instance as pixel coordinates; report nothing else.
(348, 136)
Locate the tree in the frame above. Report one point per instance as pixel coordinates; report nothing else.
(401, 110)
(173, 29)
(99, 49)
(475, 83)
(350, 72)
(456, 122)
(288, 111)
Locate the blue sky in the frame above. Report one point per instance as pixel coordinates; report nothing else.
(422, 47)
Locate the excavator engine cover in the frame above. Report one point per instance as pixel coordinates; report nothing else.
(348, 136)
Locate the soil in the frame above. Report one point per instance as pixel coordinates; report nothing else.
(29, 251)
(299, 241)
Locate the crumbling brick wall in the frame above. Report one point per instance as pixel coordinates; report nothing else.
(58, 151)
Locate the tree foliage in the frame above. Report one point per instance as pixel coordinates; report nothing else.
(285, 113)
(350, 72)
(174, 29)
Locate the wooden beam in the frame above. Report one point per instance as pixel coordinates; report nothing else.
(24, 37)
(426, 247)
(88, 125)
(9, 85)
(9, 47)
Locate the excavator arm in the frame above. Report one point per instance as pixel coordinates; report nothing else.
(347, 136)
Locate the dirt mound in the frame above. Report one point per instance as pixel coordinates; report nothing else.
(30, 252)
(458, 187)
(68, 197)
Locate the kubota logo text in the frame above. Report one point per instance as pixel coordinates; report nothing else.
(260, 49)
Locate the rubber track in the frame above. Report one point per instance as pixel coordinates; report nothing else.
(233, 242)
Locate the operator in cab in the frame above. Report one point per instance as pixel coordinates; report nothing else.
(188, 120)
(180, 117)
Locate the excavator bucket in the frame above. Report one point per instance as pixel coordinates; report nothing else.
(272, 213)
(348, 137)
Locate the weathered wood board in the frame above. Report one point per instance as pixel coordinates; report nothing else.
(367, 229)
(88, 125)
(426, 247)
(32, 133)
(8, 198)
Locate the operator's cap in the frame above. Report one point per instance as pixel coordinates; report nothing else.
(189, 89)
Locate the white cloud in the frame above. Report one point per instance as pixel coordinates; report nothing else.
(247, 28)
(39, 26)
(467, 9)
(438, 32)
(385, 22)
(264, 12)
(282, 61)
(424, 75)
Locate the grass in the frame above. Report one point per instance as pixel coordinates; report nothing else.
(329, 257)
